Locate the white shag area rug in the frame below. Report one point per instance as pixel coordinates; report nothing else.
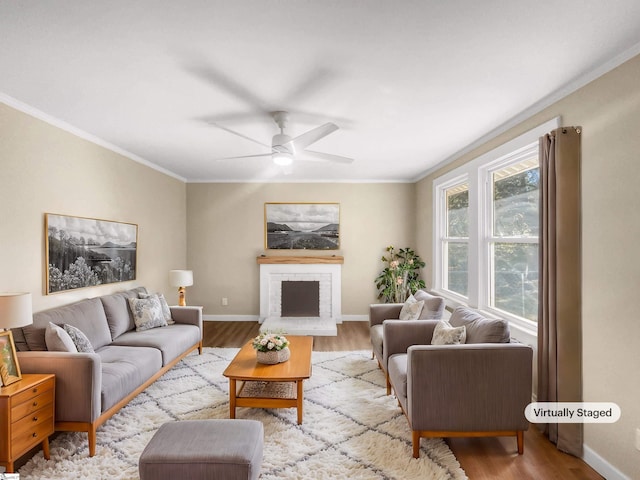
(351, 428)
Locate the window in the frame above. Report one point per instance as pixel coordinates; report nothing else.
(486, 231)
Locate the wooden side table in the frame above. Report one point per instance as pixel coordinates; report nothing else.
(26, 417)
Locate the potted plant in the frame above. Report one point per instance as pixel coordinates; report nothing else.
(401, 276)
(271, 348)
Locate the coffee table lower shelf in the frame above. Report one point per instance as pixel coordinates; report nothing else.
(265, 394)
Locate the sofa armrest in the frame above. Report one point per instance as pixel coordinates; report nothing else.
(188, 315)
(379, 312)
(399, 335)
(471, 387)
(78, 382)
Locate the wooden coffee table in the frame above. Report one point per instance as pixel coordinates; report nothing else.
(269, 386)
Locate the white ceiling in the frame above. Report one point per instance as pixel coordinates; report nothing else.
(410, 83)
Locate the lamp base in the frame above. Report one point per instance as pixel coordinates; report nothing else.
(181, 298)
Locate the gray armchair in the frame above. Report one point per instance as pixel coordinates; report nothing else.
(467, 390)
(378, 313)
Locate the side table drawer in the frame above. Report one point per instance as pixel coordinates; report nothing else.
(25, 439)
(33, 391)
(31, 404)
(30, 422)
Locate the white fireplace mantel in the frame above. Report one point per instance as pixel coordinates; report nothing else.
(325, 270)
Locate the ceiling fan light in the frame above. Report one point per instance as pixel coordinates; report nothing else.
(282, 159)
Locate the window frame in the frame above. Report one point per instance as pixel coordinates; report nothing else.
(478, 175)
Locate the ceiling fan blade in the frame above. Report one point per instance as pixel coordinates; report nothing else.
(303, 141)
(319, 156)
(241, 135)
(244, 156)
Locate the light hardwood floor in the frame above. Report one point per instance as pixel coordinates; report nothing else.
(481, 458)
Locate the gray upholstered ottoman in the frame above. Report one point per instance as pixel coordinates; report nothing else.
(204, 449)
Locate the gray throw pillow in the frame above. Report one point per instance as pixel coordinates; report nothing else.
(411, 309)
(147, 313)
(166, 311)
(58, 340)
(79, 339)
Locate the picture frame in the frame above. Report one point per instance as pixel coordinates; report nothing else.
(9, 366)
(301, 226)
(86, 252)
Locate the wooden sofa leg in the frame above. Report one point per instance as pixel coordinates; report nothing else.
(415, 441)
(520, 437)
(200, 348)
(388, 384)
(92, 440)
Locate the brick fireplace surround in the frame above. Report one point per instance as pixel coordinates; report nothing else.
(326, 270)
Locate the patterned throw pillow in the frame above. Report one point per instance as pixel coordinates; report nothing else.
(166, 311)
(79, 339)
(58, 340)
(445, 334)
(147, 313)
(411, 309)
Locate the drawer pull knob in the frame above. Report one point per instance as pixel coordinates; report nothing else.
(35, 419)
(34, 434)
(35, 390)
(35, 404)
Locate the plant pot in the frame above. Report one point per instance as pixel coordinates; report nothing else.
(273, 356)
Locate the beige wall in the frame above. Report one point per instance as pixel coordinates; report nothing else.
(226, 233)
(44, 169)
(609, 111)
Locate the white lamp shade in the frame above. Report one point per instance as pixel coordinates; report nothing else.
(15, 310)
(180, 278)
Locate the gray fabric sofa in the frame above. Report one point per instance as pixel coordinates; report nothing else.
(479, 388)
(433, 309)
(92, 387)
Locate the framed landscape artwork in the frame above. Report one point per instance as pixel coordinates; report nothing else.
(297, 226)
(85, 252)
(9, 367)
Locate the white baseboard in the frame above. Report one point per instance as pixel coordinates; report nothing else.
(601, 466)
(355, 318)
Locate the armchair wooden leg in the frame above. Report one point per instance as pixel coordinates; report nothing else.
(388, 384)
(520, 437)
(415, 441)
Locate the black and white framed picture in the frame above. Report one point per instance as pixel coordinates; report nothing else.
(302, 226)
(85, 252)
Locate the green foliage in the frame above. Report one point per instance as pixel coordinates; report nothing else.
(401, 276)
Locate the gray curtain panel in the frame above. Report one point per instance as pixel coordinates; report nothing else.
(559, 306)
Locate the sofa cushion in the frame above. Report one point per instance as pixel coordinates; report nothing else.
(79, 339)
(411, 309)
(58, 340)
(118, 312)
(147, 313)
(397, 366)
(171, 340)
(445, 334)
(124, 369)
(87, 315)
(480, 329)
(433, 308)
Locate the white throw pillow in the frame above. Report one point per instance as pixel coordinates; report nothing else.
(166, 311)
(445, 334)
(147, 313)
(58, 340)
(411, 309)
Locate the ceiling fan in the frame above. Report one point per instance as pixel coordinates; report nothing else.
(284, 149)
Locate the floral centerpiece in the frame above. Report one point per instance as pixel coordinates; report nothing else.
(271, 348)
(401, 276)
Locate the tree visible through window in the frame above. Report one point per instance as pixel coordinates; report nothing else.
(513, 242)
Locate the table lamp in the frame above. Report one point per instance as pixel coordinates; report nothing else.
(15, 311)
(181, 279)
